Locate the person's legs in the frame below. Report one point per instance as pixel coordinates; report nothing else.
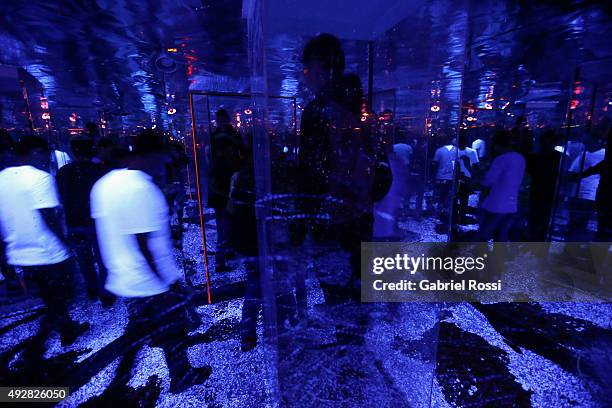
(464, 199)
(55, 284)
(581, 211)
(444, 190)
(85, 258)
(351, 235)
(106, 297)
(604, 223)
(250, 308)
(504, 224)
(8, 271)
(221, 220)
(488, 225)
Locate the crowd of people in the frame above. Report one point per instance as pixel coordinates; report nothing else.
(106, 212)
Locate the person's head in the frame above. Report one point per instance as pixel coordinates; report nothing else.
(82, 147)
(323, 59)
(503, 141)
(222, 118)
(548, 139)
(386, 116)
(34, 151)
(92, 129)
(147, 145)
(447, 138)
(6, 142)
(104, 149)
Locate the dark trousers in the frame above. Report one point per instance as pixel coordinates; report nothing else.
(8, 271)
(416, 187)
(85, 245)
(604, 223)
(351, 234)
(252, 302)
(495, 226)
(581, 211)
(55, 285)
(223, 223)
(463, 194)
(538, 218)
(442, 191)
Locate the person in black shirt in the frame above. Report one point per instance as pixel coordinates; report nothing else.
(543, 169)
(226, 144)
(339, 157)
(74, 182)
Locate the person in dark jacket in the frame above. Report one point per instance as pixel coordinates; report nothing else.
(543, 168)
(338, 154)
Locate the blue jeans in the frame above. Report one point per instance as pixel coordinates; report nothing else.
(495, 226)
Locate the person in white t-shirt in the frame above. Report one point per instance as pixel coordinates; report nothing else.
(32, 229)
(503, 179)
(480, 146)
(468, 167)
(133, 229)
(444, 168)
(583, 205)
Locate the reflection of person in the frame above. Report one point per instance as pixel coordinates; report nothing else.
(387, 210)
(583, 205)
(132, 224)
(468, 167)
(543, 169)
(603, 197)
(74, 182)
(104, 152)
(225, 143)
(480, 146)
(504, 179)
(418, 167)
(243, 238)
(337, 155)
(32, 228)
(444, 168)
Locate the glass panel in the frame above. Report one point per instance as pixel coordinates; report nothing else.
(314, 208)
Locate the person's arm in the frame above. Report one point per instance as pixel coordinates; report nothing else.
(493, 175)
(46, 201)
(435, 163)
(143, 245)
(149, 217)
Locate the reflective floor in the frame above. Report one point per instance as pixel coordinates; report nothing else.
(351, 354)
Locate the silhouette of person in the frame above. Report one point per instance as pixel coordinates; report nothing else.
(225, 143)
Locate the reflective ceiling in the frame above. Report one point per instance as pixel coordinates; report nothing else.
(135, 59)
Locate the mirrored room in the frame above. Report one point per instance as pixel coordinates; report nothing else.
(192, 193)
